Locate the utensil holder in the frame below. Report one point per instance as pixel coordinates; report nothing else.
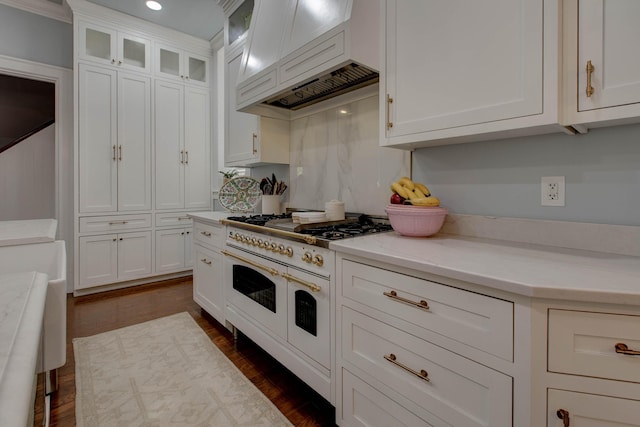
(271, 204)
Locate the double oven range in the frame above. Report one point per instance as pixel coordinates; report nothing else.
(279, 288)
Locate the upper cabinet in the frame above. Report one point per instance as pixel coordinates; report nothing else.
(177, 64)
(460, 71)
(110, 46)
(238, 22)
(602, 78)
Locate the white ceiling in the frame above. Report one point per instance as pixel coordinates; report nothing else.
(200, 18)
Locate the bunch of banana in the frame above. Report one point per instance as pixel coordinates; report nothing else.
(414, 192)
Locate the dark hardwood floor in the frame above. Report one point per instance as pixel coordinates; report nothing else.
(93, 314)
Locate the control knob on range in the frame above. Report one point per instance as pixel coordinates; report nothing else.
(307, 257)
(273, 247)
(317, 260)
(254, 241)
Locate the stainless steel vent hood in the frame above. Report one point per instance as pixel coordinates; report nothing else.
(302, 52)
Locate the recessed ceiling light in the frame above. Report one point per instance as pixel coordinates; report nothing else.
(154, 5)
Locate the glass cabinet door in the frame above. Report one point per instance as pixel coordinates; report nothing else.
(134, 52)
(108, 46)
(97, 44)
(197, 69)
(239, 21)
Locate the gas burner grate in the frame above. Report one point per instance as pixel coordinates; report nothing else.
(258, 219)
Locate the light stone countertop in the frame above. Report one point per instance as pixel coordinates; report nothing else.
(22, 232)
(522, 268)
(22, 300)
(210, 217)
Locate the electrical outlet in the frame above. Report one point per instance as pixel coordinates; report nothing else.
(552, 191)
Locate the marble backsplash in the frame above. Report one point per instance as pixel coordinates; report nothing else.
(335, 154)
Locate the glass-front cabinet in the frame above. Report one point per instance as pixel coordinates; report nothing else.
(177, 64)
(238, 22)
(113, 47)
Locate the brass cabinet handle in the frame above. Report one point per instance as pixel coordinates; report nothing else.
(180, 218)
(564, 416)
(186, 157)
(205, 233)
(389, 102)
(622, 348)
(206, 261)
(423, 375)
(182, 156)
(117, 222)
(253, 142)
(394, 295)
(120, 152)
(312, 286)
(269, 270)
(590, 69)
(114, 153)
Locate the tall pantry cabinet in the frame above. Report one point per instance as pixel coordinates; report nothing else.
(142, 148)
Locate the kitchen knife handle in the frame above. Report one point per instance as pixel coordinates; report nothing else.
(590, 69)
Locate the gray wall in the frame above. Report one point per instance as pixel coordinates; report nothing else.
(35, 38)
(502, 178)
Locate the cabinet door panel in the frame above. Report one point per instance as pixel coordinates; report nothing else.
(169, 152)
(134, 255)
(98, 260)
(207, 281)
(242, 128)
(97, 160)
(97, 43)
(605, 26)
(170, 250)
(134, 142)
(458, 63)
(590, 410)
(197, 144)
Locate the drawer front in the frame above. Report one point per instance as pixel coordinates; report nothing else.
(96, 224)
(584, 343)
(590, 410)
(178, 219)
(208, 234)
(479, 321)
(458, 390)
(364, 406)
(252, 89)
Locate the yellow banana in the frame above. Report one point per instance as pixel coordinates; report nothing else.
(419, 193)
(425, 201)
(410, 195)
(397, 188)
(406, 182)
(423, 188)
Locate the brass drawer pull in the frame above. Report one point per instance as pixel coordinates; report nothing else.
(312, 286)
(205, 233)
(389, 102)
(394, 295)
(180, 218)
(206, 261)
(423, 375)
(269, 270)
(564, 416)
(117, 222)
(623, 349)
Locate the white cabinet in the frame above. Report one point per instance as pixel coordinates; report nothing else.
(605, 76)
(109, 46)
(403, 338)
(457, 71)
(182, 149)
(587, 410)
(208, 283)
(178, 64)
(173, 250)
(250, 140)
(113, 257)
(114, 149)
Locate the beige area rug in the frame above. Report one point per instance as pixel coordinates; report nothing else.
(165, 372)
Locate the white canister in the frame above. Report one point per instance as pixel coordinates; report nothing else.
(334, 210)
(271, 204)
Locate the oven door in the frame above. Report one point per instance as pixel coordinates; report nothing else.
(254, 285)
(309, 315)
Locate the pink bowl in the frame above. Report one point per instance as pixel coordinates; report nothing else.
(416, 221)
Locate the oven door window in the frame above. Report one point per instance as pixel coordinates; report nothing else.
(254, 285)
(306, 312)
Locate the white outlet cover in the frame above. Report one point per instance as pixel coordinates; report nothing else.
(546, 198)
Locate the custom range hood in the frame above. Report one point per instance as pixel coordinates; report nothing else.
(302, 52)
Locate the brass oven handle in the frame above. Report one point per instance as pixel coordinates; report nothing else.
(312, 286)
(622, 348)
(206, 261)
(394, 295)
(590, 69)
(389, 102)
(269, 270)
(423, 375)
(564, 416)
(298, 236)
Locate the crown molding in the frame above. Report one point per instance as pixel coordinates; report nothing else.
(60, 12)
